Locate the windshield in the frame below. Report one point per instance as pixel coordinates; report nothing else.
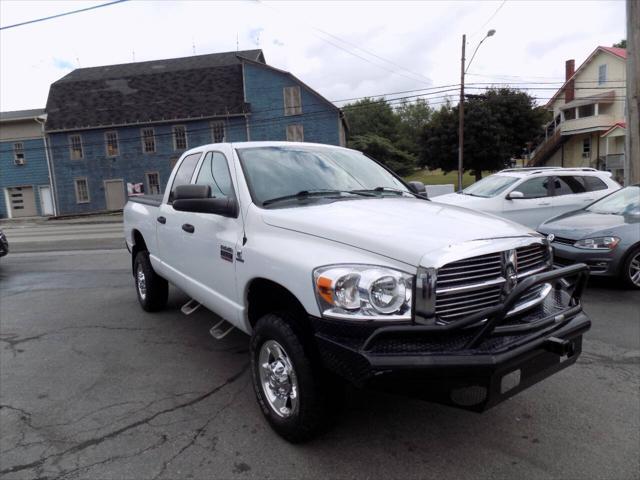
(490, 186)
(624, 201)
(276, 172)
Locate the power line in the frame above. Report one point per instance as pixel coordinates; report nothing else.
(61, 14)
(488, 20)
(274, 121)
(429, 94)
(279, 120)
(368, 52)
(340, 47)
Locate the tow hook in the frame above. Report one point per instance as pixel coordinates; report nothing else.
(563, 348)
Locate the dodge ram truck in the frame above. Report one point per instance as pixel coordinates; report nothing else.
(341, 272)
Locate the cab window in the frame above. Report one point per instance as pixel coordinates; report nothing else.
(534, 188)
(215, 173)
(185, 172)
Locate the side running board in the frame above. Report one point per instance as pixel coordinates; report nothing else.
(221, 329)
(190, 307)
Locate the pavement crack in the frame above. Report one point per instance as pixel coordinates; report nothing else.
(144, 421)
(13, 339)
(198, 432)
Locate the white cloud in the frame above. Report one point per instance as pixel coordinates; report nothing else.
(533, 40)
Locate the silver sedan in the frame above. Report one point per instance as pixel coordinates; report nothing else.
(605, 235)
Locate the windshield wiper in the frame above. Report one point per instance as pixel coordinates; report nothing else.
(304, 194)
(373, 191)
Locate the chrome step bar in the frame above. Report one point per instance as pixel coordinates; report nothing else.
(221, 329)
(190, 307)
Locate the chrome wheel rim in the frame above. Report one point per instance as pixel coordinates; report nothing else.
(634, 269)
(141, 283)
(278, 379)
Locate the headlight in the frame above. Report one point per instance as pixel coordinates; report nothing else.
(363, 292)
(601, 243)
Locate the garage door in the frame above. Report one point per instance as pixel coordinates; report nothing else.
(22, 201)
(114, 191)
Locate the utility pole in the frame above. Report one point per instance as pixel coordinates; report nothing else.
(463, 71)
(461, 117)
(632, 140)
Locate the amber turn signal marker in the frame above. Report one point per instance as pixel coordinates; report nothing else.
(323, 284)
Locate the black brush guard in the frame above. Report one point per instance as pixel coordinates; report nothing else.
(473, 363)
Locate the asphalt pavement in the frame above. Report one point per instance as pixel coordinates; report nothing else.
(93, 387)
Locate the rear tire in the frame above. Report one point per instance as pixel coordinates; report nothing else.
(151, 288)
(291, 389)
(630, 272)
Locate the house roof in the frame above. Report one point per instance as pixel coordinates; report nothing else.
(615, 126)
(21, 114)
(618, 52)
(201, 86)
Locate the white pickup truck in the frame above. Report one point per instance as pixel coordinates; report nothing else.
(339, 270)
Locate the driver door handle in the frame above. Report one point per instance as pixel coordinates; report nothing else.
(544, 203)
(161, 220)
(187, 227)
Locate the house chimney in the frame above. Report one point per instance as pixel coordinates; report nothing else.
(569, 70)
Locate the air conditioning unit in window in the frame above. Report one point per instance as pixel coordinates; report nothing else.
(19, 161)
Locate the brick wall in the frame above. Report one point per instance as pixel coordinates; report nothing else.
(33, 173)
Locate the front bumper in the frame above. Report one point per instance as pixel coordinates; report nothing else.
(474, 363)
(600, 262)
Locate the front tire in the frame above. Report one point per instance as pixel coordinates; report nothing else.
(630, 272)
(291, 391)
(151, 288)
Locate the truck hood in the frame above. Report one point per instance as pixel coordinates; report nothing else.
(404, 229)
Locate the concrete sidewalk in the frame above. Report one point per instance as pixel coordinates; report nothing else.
(77, 233)
(93, 219)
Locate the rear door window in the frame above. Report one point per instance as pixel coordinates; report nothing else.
(215, 173)
(568, 185)
(185, 172)
(534, 188)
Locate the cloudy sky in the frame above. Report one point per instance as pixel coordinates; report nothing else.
(342, 49)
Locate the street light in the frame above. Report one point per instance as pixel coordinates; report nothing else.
(490, 33)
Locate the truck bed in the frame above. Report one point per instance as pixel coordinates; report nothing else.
(153, 200)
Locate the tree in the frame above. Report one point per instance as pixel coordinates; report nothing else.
(372, 116)
(384, 151)
(621, 44)
(498, 124)
(413, 117)
(375, 129)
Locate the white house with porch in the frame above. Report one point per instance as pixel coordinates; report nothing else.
(588, 128)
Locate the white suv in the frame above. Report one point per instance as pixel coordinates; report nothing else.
(532, 195)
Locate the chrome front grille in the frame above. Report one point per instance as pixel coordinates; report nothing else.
(453, 305)
(531, 258)
(473, 284)
(470, 270)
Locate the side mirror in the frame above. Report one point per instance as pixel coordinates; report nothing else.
(197, 199)
(514, 195)
(418, 187)
(183, 192)
(226, 207)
